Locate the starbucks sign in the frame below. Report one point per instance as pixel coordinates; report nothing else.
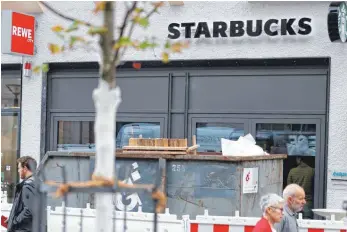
(337, 22)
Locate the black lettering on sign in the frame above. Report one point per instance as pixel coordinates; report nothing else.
(175, 33)
(286, 26)
(305, 27)
(188, 29)
(202, 29)
(267, 27)
(258, 28)
(219, 29)
(239, 28)
(236, 28)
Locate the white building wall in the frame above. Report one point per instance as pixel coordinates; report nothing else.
(315, 45)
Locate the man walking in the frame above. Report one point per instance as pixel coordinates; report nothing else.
(303, 175)
(21, 215)
(294, 197)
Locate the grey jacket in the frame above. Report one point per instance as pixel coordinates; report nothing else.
(21, 215)
(288, 222)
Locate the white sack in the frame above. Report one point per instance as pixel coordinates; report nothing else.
(244, 146)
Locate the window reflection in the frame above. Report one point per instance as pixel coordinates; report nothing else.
(209, 135)
(127, 130)
(9, 151)
(75, 135)
(79, 135)
(10, 92)
(291, 139)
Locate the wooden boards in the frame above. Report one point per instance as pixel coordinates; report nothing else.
(159, 146)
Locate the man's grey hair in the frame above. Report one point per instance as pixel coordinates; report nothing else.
(291, 190)
(269, 200)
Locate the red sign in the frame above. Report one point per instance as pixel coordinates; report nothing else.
(18, 33)
(23, 33)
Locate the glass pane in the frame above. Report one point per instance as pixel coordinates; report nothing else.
(79, 135)
(291, 139)
(127, 130)
(208, 135)
(75, 135)
(9, 151)
(10, 92)
(299, 142)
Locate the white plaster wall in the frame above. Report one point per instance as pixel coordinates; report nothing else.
(315, 45)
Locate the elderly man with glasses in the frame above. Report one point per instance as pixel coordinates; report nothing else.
(294, 197)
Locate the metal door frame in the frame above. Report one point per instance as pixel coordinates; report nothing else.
(320, 157)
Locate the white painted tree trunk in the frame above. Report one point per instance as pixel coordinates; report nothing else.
(106, 102)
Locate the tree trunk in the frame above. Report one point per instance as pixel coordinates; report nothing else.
(106, 99)
(106, 102)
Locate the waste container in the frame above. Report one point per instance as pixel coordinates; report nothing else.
(192, 183)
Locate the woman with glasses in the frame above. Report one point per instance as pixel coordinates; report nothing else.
(272, 208)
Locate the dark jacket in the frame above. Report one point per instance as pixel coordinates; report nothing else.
(21, 215)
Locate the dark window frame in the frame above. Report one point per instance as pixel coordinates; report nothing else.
(135, 118)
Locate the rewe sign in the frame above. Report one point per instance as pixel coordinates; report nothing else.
(17, 33)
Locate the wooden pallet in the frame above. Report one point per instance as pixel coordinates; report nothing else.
(160, 146)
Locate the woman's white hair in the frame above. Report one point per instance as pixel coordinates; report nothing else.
(269, 200)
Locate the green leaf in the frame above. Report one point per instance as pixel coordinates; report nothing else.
(36, 69)
(122, 42)
(72, 27)
(138, 10)
(54, 48)
(57, 28)
(45, 68)
(74, 39)
(167, 45)
(97, 30)
(142, 21)
(145, 44)
(165, 57)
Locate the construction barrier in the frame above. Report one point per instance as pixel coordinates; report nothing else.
(140, 221)
(207, 223)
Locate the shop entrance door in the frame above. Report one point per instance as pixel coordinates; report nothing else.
(302, 138)
(9, 151)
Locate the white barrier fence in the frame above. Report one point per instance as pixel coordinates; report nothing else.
(140, 221)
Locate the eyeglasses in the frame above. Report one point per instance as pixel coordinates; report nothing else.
(280, 209)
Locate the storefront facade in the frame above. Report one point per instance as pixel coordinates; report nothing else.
(284, 88)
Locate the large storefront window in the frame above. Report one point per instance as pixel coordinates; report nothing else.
(209, 135)
(10, 118)
(299, 142)
(79, 135)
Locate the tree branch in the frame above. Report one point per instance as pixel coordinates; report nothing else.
(107, 70)
(132, 29)
(122, 29)
(65, 16)
(152, 11)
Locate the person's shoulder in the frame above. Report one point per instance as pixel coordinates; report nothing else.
(293, 170)
(262, 226)
(29, 184)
